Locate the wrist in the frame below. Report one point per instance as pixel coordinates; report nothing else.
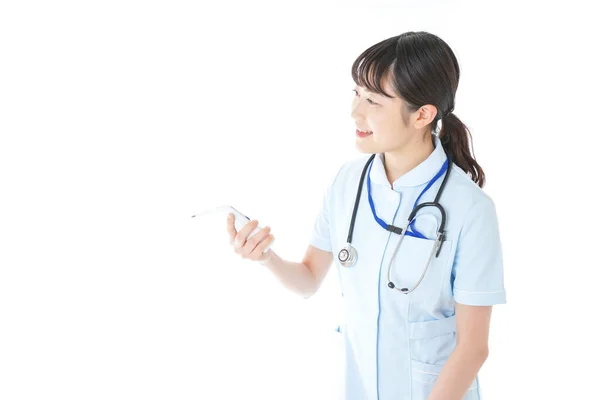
(268, 258)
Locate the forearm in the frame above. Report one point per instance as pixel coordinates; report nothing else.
(293, 275)
(458, 373)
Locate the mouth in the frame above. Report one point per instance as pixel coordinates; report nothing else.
(363, 134)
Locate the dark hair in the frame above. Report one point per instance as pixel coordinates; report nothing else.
(422, 70)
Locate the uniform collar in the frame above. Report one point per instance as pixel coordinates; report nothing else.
(419, 175)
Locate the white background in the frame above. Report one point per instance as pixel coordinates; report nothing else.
(121, 119)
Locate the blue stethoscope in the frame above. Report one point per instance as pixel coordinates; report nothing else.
(348, 255)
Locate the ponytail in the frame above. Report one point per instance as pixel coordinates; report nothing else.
(455, 136)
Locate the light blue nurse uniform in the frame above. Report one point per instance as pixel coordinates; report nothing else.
(396, 344)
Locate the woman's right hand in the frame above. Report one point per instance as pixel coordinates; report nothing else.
(252, 248)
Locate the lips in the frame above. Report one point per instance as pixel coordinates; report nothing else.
(361, 133)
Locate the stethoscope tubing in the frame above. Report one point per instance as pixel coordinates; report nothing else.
(348, 256)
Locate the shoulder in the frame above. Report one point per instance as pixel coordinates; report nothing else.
(464, 187)
(468, 198)
(351, 170)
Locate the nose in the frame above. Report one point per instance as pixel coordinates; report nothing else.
(356, 111)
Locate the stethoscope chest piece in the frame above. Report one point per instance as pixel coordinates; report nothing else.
(347, 256)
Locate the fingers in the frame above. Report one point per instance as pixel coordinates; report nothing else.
(251, 243)
(250, 248)
(240, 239)
(258, 254)
(231, 227)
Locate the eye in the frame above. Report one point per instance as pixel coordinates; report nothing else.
(368, 100)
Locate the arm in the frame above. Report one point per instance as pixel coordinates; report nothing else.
(303, 278)
(477, 284)
(471, 351)
(306, 277)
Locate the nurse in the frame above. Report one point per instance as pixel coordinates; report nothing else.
(417, 292)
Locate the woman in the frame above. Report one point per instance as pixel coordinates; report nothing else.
(417, 291)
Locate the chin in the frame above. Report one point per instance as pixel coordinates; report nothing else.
(365, 149)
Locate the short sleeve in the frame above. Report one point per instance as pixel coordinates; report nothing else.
(321, 237)
(477, 272)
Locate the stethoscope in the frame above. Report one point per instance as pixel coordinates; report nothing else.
(348, 255)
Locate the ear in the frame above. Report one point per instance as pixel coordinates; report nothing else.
(425, 115)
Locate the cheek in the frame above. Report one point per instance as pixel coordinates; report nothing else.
(388, 127)
(382, 130)
(376, 123)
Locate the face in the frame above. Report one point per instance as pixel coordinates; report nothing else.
(384, 117)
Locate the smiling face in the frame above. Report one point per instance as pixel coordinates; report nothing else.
(393, 127)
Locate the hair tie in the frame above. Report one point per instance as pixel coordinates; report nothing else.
(447, 113)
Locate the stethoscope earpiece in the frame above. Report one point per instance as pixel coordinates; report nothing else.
(348, 255)
(392, 286)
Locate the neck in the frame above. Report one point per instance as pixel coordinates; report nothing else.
(399, 162)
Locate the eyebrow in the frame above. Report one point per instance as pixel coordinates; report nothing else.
(380, 97)
(367, 90)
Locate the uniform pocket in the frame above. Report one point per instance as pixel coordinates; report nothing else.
(412, 260)
(432, 342)
(424, 377)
